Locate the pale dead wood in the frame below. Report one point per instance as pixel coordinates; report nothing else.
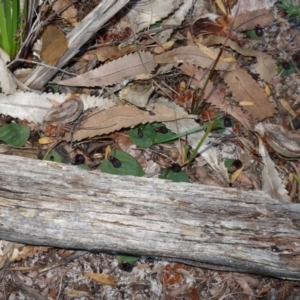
(44, 203)
(76, 38)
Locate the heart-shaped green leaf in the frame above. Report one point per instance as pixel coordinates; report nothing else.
(14, 134)
(121, 163)
(174, 176)
(127, 259)
(142, 135)
(53, 156)
(162, 133)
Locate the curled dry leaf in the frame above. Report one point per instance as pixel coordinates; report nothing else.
(116, 118)
(244, 88)
(66, 112)
(203, 57)
(282, 141)
(271, 182)
(116, 71)
(137, 94)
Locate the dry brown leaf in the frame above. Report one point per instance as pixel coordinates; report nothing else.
(116, 71)
(249, 19)
(116, 118)
(266, 66)
(216, 97)
(69, 14)
(137, 94)
(6, 251)
(248, 5)
(24, 251)
(54, 44)
(244, 88)
(203, 58)
(145, 12)
(102, 278)
(244, 285)
(111, 52)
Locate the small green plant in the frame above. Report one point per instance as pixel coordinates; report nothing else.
(13, 14)
(290, 7)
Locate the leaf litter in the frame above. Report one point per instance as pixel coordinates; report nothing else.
(151, 36)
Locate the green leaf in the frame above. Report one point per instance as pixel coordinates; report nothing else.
(161, 137)
(174, 176)
(53, 156)
(142, 135)
(284, 73)
(127, 259)
(84, 167)
(297, 178)
(125, 164)
(252, 35)
(228, 162)
(14, 134)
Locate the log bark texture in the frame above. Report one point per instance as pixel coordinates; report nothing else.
(44, 203)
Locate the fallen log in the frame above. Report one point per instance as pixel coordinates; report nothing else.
(45, 203)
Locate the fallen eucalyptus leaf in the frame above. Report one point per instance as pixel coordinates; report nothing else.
(116, 118)
(116, 71)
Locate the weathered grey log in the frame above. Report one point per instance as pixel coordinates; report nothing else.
(77, 38)
(45, 203)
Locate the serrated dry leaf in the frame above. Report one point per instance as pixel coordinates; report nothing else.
(203, 57)
(116, 118)
(102, 278)
(266, 66)
(176, 19)
(54, 44)
(216, 97)
(271, 182)
(145, 12)
(116, 71)
(244, 88)
(33, 106)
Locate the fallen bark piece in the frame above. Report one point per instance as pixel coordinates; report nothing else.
(49, 204)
